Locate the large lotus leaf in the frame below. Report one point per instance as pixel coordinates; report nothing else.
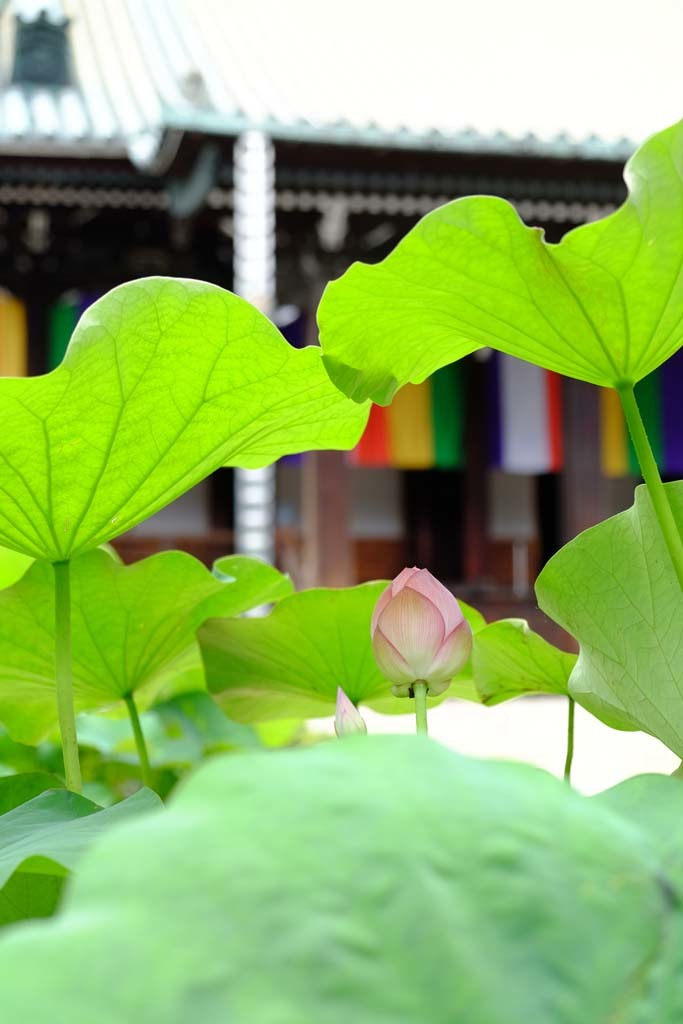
(133, 629)
(13, 565)
(18, 757)
(614, 589)
(193, 726)
(164, 381)
(289, 664)
(604, 305)
(257, 583)
(28, 895)
(510, 659)
(49, 834)
(379, 879)
(17, 789)
(43, 840)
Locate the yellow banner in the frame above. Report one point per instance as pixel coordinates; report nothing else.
(411, 432)
(613, 441)
(13, 338)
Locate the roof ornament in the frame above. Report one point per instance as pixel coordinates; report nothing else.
(193, 88)
(42, 51)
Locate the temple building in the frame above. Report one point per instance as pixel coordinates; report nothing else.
(184, 138)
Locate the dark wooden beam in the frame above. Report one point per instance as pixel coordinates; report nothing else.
(585, 495)
(327, 549)
(476, 561)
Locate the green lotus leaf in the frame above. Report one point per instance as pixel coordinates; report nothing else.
(13, 565)
(604, 305)
(48, 835)
(381, 878)
(245, 583)
(192, 726)
(164, 381)
(26, 896)
(17, 789)
(178, 732)
(18, 757)
(133, 629)
(43, 840)
(614, 589)
(289, 664)
(509, 659)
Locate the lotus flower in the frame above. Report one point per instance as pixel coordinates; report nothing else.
(419, 633)
(347, 719)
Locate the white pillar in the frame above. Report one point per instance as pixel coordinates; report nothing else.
(254, 280)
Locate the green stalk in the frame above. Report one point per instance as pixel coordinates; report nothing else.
(653, 481)
(570, 739)
(420, 694)
(63, 676)
(141, 746)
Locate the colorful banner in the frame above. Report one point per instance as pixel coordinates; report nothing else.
(63, 319)
(423, 428)
(13, 337)
(448, 417)
(659, 399)
(64, 316)
(374, 449)
(671, 382)
(411, 432)
(613, 440)
(525, 417)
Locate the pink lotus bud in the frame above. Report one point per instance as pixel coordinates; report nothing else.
(419, 633)
(347, 719)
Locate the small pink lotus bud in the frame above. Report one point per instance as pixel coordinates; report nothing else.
(419, 633)
(347, 719)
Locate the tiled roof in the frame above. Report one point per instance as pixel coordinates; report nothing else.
(580, 79)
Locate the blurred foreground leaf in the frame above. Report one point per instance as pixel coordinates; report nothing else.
(378, 879)
(655, 804)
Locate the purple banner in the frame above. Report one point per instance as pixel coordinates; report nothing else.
(671, 375)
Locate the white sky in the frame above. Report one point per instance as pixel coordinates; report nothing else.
(609, 67)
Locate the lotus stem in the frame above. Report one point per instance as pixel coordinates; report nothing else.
(653, 481)
(570, 740)
(420, 694)
(140, 744)
(63, 677)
